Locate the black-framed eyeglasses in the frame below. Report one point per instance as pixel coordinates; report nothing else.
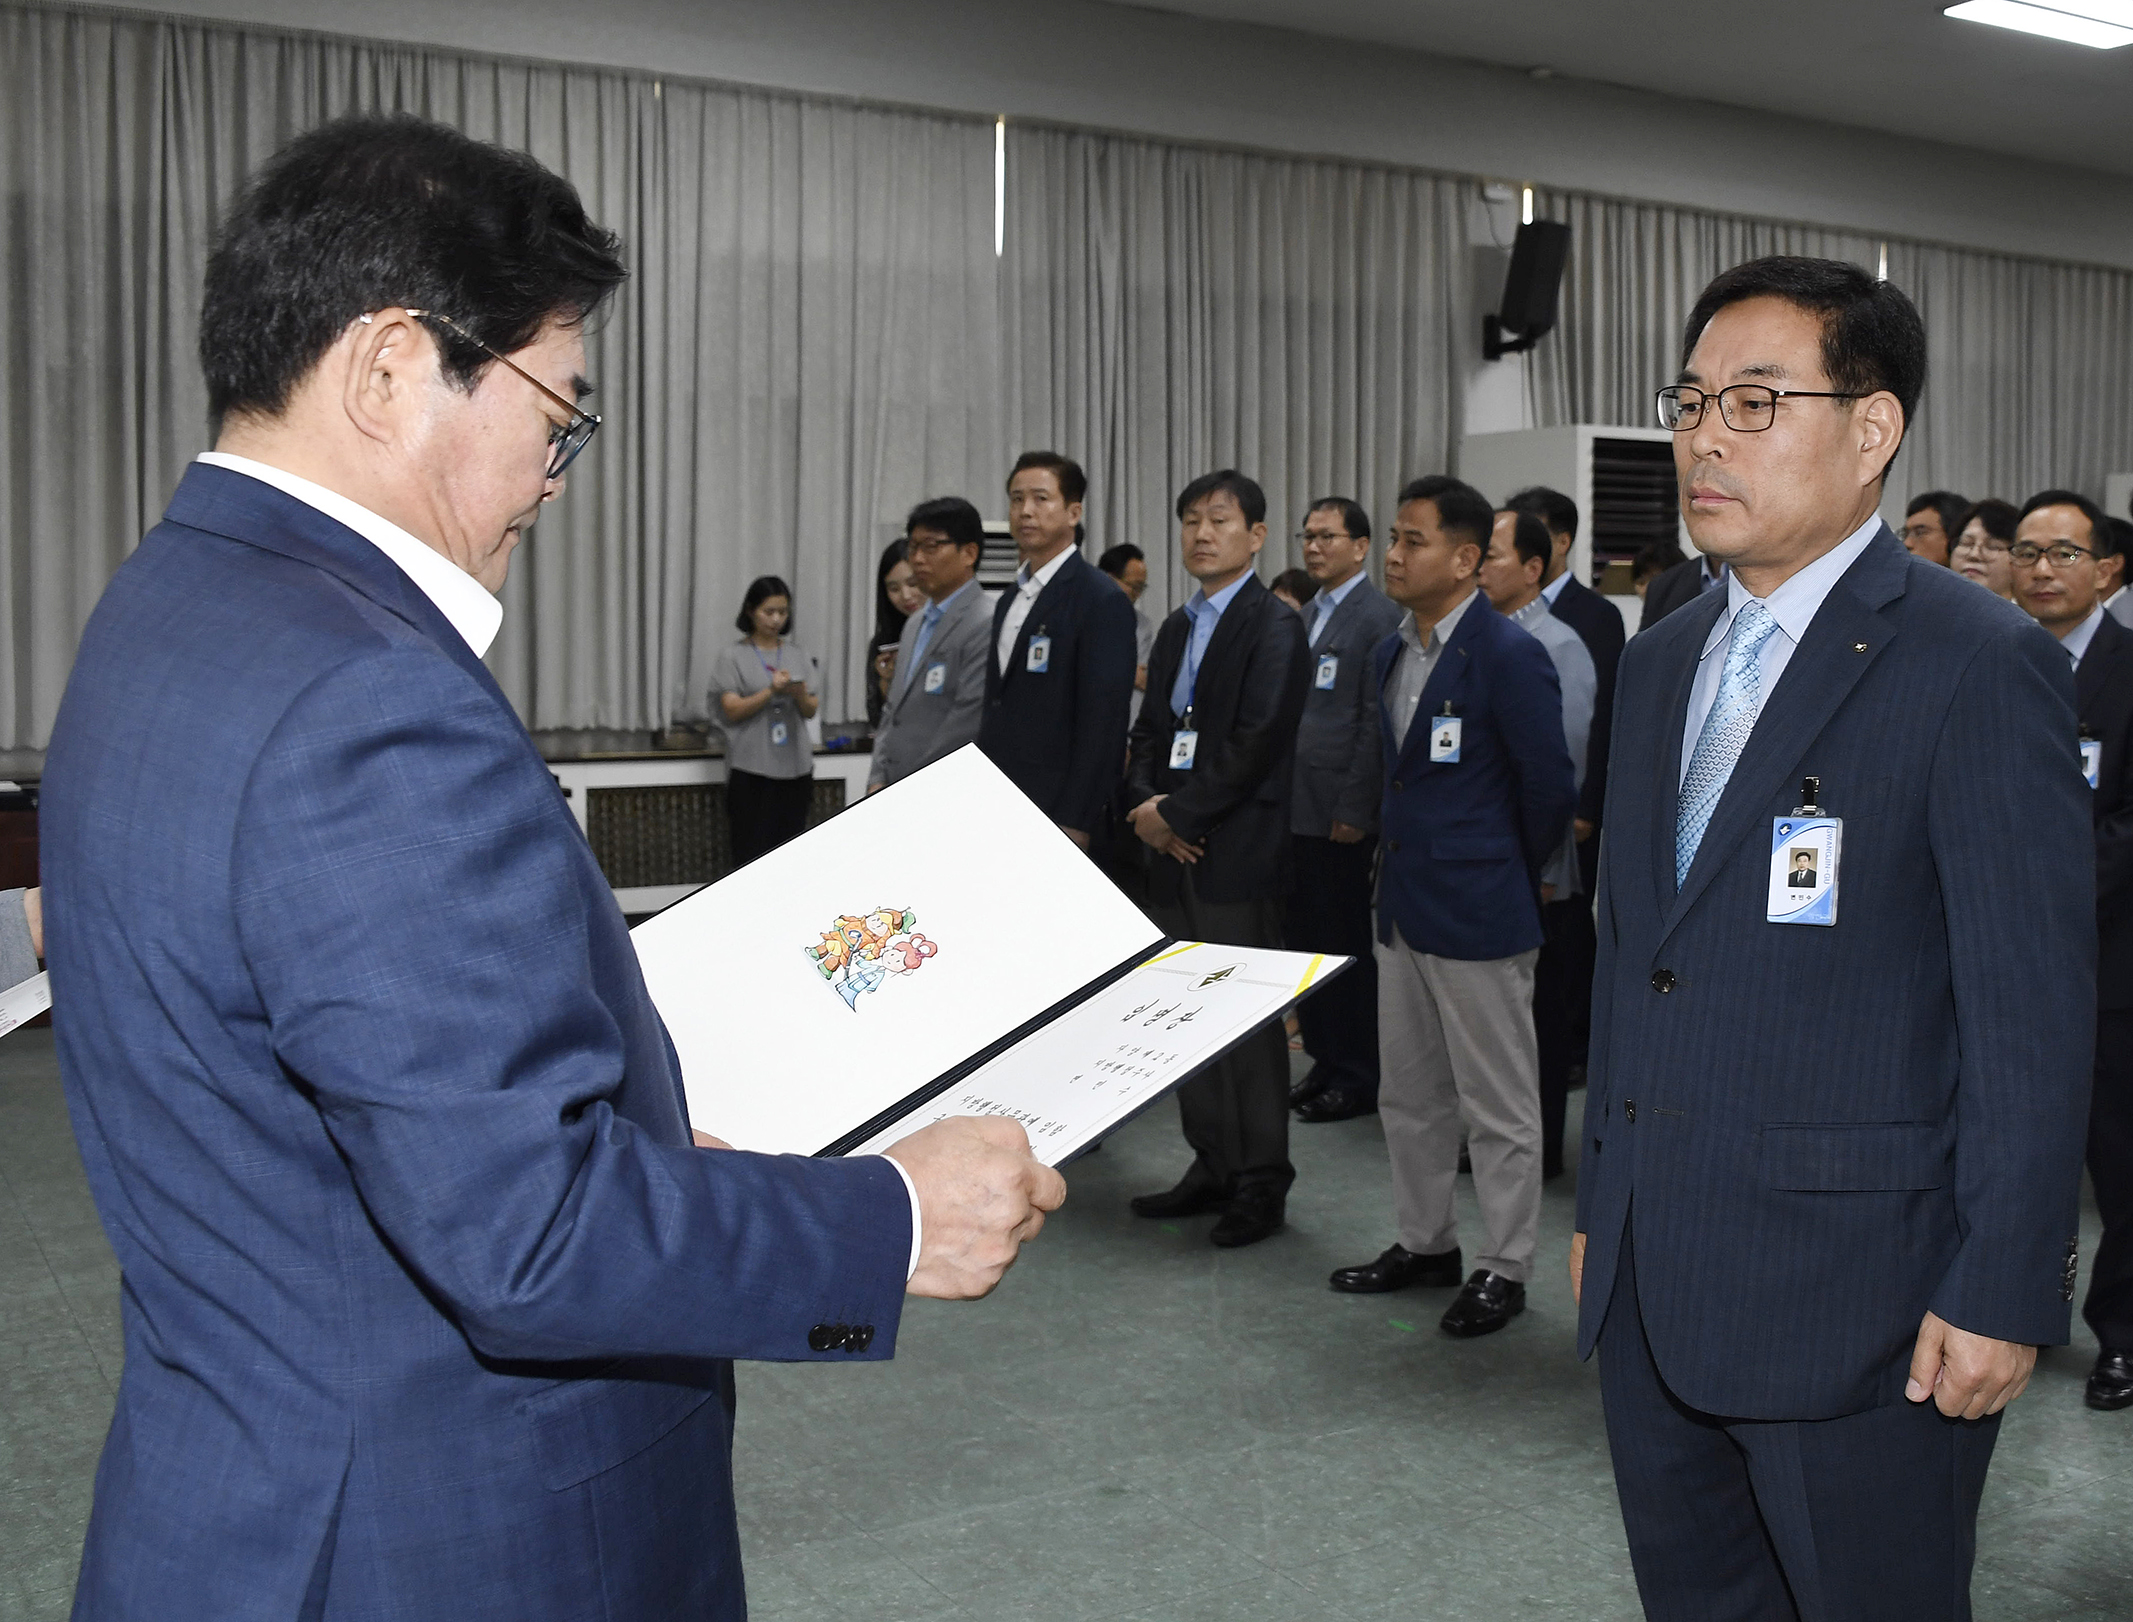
(1304, 535)
(565, 439)
(1746, 408)
(2064, 554)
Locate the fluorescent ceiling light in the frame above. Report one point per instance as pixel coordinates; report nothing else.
(2105, 24)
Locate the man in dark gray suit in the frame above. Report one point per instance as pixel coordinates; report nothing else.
(1333, 815)
(937, 691)
(1827, 1205)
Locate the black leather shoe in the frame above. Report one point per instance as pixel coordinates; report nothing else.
(1255, 1214)
(1189, 1198)
(2110, 1382)
(1313, 1083)
(1488, 1302)
(1337, 1104)
(1399, 1269)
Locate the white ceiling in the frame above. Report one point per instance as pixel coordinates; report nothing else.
(1895, 65)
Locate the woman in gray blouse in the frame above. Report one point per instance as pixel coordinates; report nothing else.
(763, 694)
(21, 935)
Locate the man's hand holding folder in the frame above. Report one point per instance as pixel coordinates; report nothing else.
(981, 1195)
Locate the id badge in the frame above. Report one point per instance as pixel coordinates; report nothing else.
(778, 734)
(1329, 669)
(936, 677)
(1183, 746)
(1804, 852)
(2092, 760)
(1040, 655)
(1444, 731)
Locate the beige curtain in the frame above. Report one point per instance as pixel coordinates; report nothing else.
(808, 346)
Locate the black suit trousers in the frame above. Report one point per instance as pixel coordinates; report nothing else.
(1562, 1012)
(2108, 1306)
(1871, 1517)
(1329, 911)
(1236, 1111)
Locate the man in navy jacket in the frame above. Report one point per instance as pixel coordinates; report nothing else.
(1828, 1197)
(428, 1292)
(1479, 791)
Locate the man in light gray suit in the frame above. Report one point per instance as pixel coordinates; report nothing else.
(937, 690)
(1334, 812)
(1519, 551)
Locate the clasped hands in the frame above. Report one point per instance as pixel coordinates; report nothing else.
(1967, 1376)
(982, 1195)
(1158, 835)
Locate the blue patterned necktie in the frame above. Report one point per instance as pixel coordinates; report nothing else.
(926, 622)
(1725, 733)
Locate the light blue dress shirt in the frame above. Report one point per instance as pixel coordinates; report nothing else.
(1205, 612)
(929, 620)
(1323, 605)
(1793, 605)
(2076, 642)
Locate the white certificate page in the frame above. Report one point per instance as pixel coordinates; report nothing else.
(830, 980)
(1076, 1079)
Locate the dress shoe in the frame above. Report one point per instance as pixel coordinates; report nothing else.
(1337, 1104)
(1488, 1302)
(1255, 1214)
(1192, 1196)
(2110, 1382)
(1313, 1083)
(1399, 1269)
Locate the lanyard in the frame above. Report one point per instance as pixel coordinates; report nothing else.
(769, 669)
(1195, 652)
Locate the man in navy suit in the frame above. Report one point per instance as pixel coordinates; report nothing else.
(428, 1292)
(1479, 792)
(1059, 686)
(2064, 558)
(1828, 1198)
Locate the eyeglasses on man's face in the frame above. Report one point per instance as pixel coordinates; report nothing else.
(566, 438)
(1746, 408)
(2063, 554)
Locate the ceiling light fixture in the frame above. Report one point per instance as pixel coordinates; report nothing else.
(2104, 24)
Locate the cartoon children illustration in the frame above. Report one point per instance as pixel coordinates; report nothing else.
(859, 952)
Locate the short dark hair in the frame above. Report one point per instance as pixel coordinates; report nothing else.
(953, 517)
(1073, 483)
(1949, 507)
(2122, 537)
(1657, 558)
(761, 589)
(1114, 560)
(1243, 491)
(1460, 507)
(1296, 583)
(1553, 508)
(2102, 540)
(370, 213)
(1872, 337)
(1529, 537)
(1999, 518)
(1353, 519)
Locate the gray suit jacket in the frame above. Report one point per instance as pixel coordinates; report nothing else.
(935, 715)
(1337, 745)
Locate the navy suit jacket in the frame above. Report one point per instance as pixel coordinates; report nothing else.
(1598, 624)
(427, 1295)
(1822, 1133)
(2103, 696)
(1461, 845)
(1059, 734)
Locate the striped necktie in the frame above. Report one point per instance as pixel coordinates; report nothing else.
(1725, 733)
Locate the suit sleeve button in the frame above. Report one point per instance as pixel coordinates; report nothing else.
(1663, 981)
(821, 1338)
(861, 1337)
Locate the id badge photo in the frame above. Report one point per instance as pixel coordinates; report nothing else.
(1804, 852)
(1444, 731)
(936, 677)
(1040, 654)
(1329, 670)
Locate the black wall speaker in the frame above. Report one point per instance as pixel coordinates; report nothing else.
(1531, 289)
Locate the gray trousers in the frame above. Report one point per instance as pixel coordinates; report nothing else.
(1455, 1039)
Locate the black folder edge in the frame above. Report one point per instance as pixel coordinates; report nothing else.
(985, 1055)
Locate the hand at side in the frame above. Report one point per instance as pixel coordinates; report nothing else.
(1967, 1376)
(1158, 835)
(981, 1195)
(1577, 1268)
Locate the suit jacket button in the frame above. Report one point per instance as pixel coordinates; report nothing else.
(821, 1338)
(1392, 846)
(1662, 981)
(1396, 785)
(861, 1337)
(1629, 1109)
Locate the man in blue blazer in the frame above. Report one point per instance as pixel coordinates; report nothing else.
(1827, 1204)
(1059, 683)
(1479, 791)
(428, 1292)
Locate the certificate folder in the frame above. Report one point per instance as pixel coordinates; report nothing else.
(941, 949)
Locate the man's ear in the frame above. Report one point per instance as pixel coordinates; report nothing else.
(387, 356)
(1881, 427)
(1258, 537)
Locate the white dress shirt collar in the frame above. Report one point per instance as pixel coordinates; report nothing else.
(459, 597)
(2076, 642)
(1024, 580)
(1441, 632)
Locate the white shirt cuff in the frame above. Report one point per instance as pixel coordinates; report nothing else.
(917, 1229)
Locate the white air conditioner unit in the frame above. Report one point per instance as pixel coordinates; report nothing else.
(1621, 478)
